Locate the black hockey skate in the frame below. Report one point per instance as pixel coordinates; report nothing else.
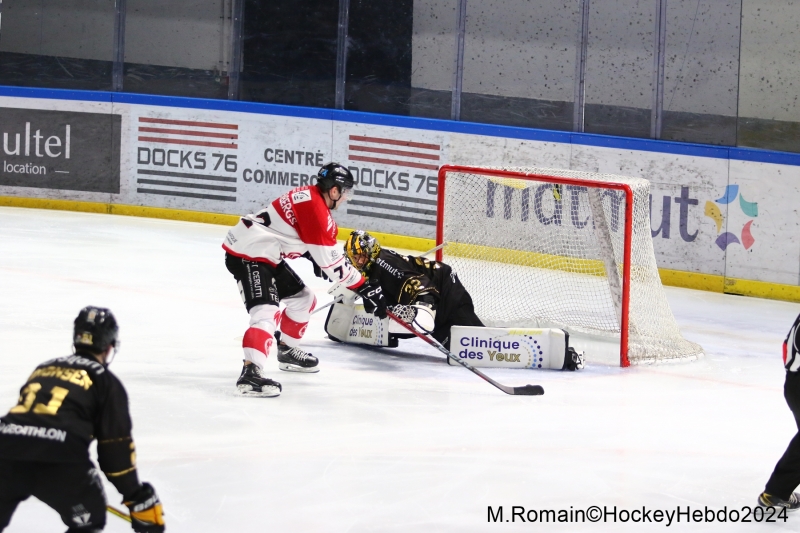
(296, 359)
(573, 359)
(253, 383)
(768, 500)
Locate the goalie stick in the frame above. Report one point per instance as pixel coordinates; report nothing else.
(527, 390)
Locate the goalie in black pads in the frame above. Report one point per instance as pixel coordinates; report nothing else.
(66, 403)
(428, 290)
(429, 296)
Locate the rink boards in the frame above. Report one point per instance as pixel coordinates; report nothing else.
(722, 219)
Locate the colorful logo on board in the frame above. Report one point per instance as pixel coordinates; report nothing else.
(712, 211)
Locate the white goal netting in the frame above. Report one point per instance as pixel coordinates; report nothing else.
(545, 253)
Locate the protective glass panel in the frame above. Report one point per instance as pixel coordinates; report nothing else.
(769, 109)
(177, 48)
(433, 42)
(619, 67)
(289, 52)
(378, 75)
(67, 44)
(519, 62)
(701, 71)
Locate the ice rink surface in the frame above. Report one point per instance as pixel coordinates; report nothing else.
(390, 440)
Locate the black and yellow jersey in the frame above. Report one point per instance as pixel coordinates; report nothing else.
(409, 279)
(406, 279)
(65, 404)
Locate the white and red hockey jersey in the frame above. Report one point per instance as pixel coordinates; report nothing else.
(293, 224)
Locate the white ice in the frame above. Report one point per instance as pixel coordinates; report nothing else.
(384, 440)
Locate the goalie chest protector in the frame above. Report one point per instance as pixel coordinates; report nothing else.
(509, 347)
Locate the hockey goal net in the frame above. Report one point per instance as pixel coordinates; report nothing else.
(539, 247)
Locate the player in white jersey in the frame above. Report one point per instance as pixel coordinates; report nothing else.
(296, 224)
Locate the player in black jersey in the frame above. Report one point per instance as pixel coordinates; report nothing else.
(412, 280)
(66, 403)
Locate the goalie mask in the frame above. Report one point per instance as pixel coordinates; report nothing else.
(361, 250)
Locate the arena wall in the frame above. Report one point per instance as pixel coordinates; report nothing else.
(722, 219)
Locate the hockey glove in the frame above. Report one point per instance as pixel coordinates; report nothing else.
(317, 270)
(374, 301)
(146, 513)
(342, 294)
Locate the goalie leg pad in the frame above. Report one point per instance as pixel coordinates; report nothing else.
(352, 324)
(514, 347)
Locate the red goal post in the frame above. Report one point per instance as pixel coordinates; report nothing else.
(586, 274)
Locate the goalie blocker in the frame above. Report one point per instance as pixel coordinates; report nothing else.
(480, 347)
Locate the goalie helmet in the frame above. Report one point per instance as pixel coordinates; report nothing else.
(361, 243)
(95, 330)
(335, 175)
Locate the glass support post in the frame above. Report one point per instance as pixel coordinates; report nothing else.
(118, 66)
(458, 69)
(235, 63)
(657, 111)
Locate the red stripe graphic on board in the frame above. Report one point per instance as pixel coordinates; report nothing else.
(356, 148)
(420, 155)
(189, 142)
(197, 133)
(189, 123)
(190, 132)
(379, 140)
(393, 162)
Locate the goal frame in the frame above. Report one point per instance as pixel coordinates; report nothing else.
(626, 257)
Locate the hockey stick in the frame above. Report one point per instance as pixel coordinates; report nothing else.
(318, 309)
(527, 390)
(116, 512)
(434, 249)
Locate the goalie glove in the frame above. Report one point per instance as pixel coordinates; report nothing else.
(374, 300)
(147, 515)
(425, 319)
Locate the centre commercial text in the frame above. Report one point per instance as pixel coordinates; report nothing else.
(365, 177)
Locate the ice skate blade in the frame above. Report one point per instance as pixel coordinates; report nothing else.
(295, 368)
(267, 392)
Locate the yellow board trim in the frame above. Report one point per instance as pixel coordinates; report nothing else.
(674, 278)
(120, 209)
(390, 240)
(593, 267)
(692, 280)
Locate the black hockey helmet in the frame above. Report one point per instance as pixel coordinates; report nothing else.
(335, 175)
(360, 242)
(95, 330)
